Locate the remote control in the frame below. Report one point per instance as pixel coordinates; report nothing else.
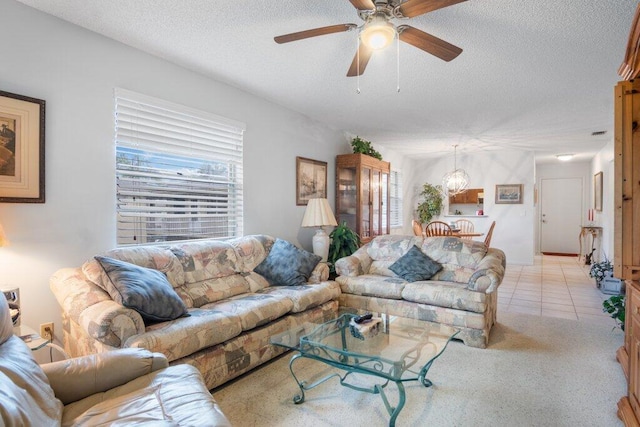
(363, 318)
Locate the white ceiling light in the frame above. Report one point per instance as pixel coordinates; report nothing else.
(564, 157)
(378, 33)
(456, 181)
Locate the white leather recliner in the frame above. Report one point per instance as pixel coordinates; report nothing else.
(123, 387)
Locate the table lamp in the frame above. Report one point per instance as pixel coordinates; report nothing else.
(319, 214)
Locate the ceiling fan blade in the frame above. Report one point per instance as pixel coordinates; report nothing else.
(363, 55)
(363, 4)
(419, 7)
(430, 44)
(286, 38)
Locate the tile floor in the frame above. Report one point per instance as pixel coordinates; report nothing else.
(555, 286)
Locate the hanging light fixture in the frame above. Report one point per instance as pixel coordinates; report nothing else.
(456, 181)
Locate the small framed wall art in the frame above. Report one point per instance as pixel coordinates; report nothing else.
(21, 149)
(311, 180)
(597, 192)
(508, 194)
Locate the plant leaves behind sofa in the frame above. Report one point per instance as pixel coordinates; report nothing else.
(462, 294)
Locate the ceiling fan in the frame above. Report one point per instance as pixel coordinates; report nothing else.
(378, 30)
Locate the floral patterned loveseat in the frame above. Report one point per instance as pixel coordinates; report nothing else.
(226, 311)
(463, 293)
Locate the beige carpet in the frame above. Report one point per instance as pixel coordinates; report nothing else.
(537, 371)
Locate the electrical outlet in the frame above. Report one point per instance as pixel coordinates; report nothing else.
(46, 331)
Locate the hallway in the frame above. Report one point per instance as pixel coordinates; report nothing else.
(555, 286)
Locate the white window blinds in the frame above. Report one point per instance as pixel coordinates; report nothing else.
(395, 199)
(178, 172)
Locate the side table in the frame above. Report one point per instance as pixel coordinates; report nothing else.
(33, 340)
(596, 237)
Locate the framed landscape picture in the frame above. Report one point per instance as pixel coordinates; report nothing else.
(311, 180)
(508, 194)
(597, 192)
(21, 149)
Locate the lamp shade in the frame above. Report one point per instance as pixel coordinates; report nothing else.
(3, 238)
(318, 214)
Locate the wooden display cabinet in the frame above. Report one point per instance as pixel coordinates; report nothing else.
(627, 237)
(362, 194)
(626, 263)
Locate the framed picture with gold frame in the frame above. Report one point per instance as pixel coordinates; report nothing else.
(597, 192)
(21, 148)
(311, 180)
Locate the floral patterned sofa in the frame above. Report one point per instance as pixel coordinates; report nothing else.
(221, 311)
(463, 293)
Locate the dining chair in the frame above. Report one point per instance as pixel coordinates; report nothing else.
(417, 228)
(465, 226)
(487, 240)
(437, 228)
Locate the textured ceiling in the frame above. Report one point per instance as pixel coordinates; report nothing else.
(534, 75)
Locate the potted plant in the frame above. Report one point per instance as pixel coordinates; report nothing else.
(615, 307)
(344, 242)
(601, 270)
(432, 202)
(363, 146)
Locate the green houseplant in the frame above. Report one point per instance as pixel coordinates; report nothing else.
(615, 307)
(344, 242)
(600, 270)
(363, 146)
(432, 202)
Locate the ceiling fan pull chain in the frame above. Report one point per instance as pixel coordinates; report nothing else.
(398, 63)
(358, 64)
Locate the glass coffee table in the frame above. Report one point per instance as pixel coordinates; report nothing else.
(391, 349)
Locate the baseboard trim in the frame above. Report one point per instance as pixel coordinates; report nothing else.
(558, 254)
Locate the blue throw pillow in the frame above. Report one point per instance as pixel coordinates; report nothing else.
(144, 290)
(415, 265)
(287, 265)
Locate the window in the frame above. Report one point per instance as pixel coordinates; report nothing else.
(395, 199)
(178, 172)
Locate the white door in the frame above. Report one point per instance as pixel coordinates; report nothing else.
(560, 215)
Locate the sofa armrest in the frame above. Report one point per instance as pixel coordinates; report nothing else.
(80, 377)
(489, 273)
(356, 264)
(111, 323)
(319, 274)
(92, 308)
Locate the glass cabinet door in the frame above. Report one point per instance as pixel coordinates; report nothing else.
(346, 197)
(375, 203)
(365, 203)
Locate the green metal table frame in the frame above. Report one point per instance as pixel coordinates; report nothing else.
(343, 359)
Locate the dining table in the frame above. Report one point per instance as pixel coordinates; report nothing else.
(458, 233)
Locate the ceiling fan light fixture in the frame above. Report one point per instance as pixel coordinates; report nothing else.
(378, 33)
(564, 157)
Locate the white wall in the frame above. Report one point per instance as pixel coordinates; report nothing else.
(514, 231)
(604, 162)
(76, 71)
